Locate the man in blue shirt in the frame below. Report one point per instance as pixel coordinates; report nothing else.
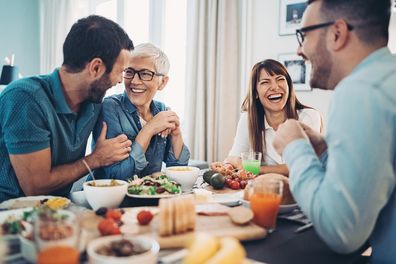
(346, 182)
(153, 128)
(45, 120)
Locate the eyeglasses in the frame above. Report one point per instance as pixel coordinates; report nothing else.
(144, 75)
(300, 33)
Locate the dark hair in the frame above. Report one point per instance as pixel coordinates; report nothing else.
(256, 110)
(94, 37)
(370, 18)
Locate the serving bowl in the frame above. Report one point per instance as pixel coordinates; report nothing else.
(150, 246)
(100, 193)
(186, 176)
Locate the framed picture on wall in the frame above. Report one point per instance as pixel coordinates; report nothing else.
(298, 70)
(291, 12)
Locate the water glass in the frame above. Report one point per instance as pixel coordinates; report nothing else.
(251, 161)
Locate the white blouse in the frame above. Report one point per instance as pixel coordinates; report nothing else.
(308, 116)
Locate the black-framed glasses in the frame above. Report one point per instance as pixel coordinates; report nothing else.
(144, 75)
(300, 33)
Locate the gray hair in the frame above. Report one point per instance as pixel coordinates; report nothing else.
(148, 50)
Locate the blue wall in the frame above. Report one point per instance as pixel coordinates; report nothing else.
(20, 34)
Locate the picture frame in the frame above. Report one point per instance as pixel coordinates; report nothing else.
(299, 71)
(290, 15)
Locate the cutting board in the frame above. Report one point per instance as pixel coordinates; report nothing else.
(219, 226)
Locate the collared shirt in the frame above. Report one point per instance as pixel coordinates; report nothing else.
(122, 117)
(308, 116)
(34, 115)
(349, 194)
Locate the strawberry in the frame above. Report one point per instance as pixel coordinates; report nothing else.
(144, 217)
(108, 226)
(114, 214)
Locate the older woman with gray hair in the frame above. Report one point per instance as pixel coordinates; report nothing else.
(152, 127)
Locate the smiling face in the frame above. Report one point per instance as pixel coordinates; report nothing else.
(99, 87)
(273, 91)
(314, 49)
(141, 93)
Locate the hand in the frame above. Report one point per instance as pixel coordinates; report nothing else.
(163, 123)
(109, 151)
(317, 140)
(287, 132)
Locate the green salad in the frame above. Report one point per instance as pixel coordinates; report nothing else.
(153, 185)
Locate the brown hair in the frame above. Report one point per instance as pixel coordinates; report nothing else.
(255, 109)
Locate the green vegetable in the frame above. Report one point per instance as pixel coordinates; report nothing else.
(207, 175)
(217, 181)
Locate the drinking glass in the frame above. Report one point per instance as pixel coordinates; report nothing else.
(265, 202)
(251, 161)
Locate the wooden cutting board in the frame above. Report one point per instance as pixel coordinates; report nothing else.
(219, 226)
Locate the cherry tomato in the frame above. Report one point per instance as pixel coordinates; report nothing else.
(228, 182)
(144, 217)
(242, 184)
(108, 226)
(234, 185)
(114, 214)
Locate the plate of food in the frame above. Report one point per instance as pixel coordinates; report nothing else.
(153, 187)
(53, 202)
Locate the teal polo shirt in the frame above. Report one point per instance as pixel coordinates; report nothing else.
(34, 115)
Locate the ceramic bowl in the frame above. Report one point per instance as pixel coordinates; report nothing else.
(101, 194)
(186, 176)
(148, 257)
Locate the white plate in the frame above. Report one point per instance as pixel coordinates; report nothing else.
(18, 213)
(155, 196)
(283, 209)
(9, 204)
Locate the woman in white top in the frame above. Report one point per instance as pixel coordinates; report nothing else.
(270, 100)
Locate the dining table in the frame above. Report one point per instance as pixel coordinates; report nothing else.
(284, 245)
(289, 243)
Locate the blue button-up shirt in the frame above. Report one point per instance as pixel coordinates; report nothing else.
(122, 117)
(34, 115)
(349, 194)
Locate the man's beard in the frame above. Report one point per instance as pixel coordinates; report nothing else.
(98, 89)
(321, 64)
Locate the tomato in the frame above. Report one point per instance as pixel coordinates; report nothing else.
(114, 214)
(144, 217)
(108, 226)
(242, 184)
(234, 185)
(228, 182)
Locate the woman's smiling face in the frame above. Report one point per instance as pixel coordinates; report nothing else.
(273, 91)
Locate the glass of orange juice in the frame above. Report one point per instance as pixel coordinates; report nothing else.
(265, 201)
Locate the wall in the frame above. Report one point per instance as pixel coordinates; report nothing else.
(19, 31)
(266, 43)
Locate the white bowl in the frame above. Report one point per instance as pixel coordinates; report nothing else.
(185, 175)
(148, 257)
(105, 196)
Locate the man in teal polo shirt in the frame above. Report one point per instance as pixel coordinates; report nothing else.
(45, 120)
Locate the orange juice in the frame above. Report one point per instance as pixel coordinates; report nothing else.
(59, 255)
(265, 207)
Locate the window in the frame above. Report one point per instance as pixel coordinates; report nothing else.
(161, 22)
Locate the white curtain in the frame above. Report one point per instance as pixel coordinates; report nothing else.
(56, 19)
(216, 65)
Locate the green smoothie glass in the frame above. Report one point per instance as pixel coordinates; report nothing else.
(251, 161)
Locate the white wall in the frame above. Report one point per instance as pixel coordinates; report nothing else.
(267, 43)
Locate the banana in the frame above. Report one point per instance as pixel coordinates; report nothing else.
(203, 247)
(231, 252)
